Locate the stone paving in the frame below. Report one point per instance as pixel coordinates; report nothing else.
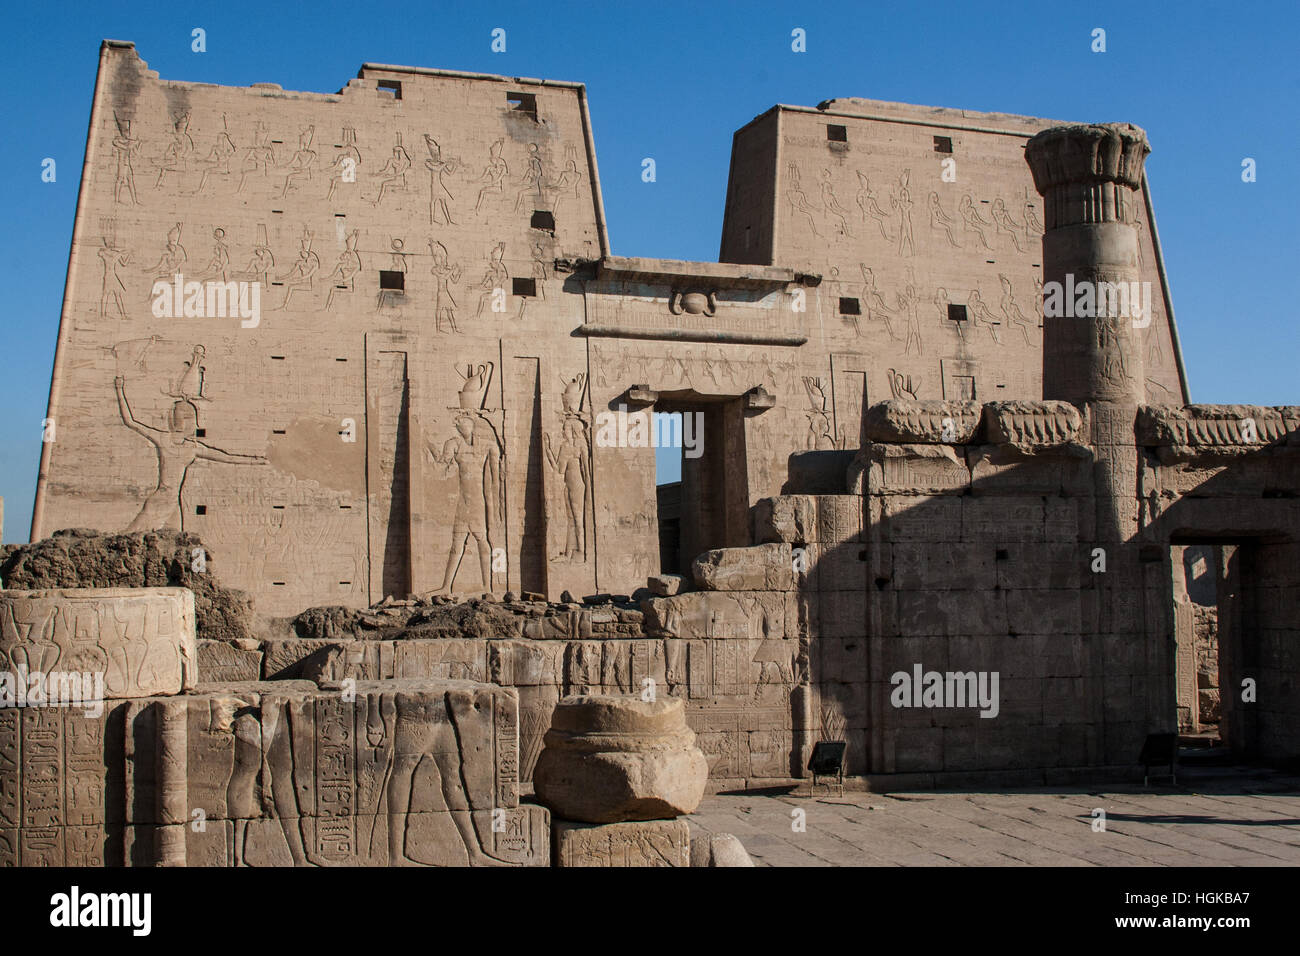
(1219, 818)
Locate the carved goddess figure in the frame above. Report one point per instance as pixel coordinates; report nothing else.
(570, 462)
(494, 175)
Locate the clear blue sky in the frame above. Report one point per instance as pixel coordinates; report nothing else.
(1211, 83)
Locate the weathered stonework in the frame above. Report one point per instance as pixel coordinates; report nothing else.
(905, 469)
(615, 759)
(140, 640)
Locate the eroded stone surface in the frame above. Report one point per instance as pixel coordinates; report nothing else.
(643, 843)
(612, 759)
(76, 558)
(719, 849)
(399, 772)
(141, 640)
(763, 567)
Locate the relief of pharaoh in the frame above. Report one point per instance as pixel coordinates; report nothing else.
(177, 447)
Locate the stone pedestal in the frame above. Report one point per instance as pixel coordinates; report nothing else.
(614, 759)
(632, 844)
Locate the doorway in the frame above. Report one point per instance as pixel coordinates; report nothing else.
(702, 487)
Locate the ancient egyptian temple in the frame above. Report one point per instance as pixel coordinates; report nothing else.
(359, 420)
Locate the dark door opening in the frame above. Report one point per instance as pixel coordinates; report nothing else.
(668, 494)
(1201, 580)
(700, 440)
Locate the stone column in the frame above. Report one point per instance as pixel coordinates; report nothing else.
(1089, 177)
(1093, 307)
(1094, 311)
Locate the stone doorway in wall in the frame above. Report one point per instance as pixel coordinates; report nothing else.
(1201, 572)
(702, 488)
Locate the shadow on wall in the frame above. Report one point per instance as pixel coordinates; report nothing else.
(987, 579)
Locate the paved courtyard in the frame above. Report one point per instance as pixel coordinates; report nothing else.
(1222, 818)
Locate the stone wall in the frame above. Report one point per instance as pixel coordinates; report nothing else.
(155, 768)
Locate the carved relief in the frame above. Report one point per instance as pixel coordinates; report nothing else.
(908, 304)
(440, 169)
(302, 162)
(177, 448)
(902, 202)
(217, 162)
(904, 386)
(176, 155)
(219, 264)
(393, 173)
(475, 455)
(346, 163)
(836, 215)
(125, 148)
(572, 462)
(173, 258)
(445, 273)
(980, 315)
(972, 221)
(874, 303)
(1011, 310)
(262, 260)
(397, 263)
(259, 157)
(533, 182)
(494, 174)
(495, 278)
(570, 178)
(140, 639)
(940, 220)
(1006, 226)
(343, 277)
(112, 288)
(696, 303)
(798, 199)
(820, 437)
(866, 200)
(303, 272)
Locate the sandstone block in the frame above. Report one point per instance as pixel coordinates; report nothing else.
(1033, 426)
(631, 844)
(665, 585)
(141, 639)
(613, 759)
(929, 421)
(763, 567)
(220, 661)
(789, 519)
(719, 849)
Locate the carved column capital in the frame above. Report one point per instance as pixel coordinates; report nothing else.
(1087, 174)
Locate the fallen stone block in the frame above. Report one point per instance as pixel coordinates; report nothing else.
(762, 567)
(665, 585)
(928, 421)
(719, 849)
